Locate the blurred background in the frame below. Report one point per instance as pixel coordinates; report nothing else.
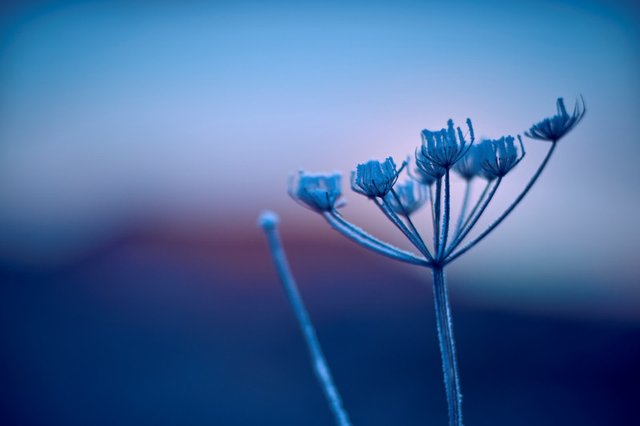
(140, 140)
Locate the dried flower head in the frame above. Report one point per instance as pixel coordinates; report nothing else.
(409, 197)
(470, 165)
(500, 156)
(320, 192)
(375, 178)
(443, 147)
(426, 171)
(554, 128)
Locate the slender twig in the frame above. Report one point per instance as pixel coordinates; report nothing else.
(436, 209)
(475, 208)
(475, 219)
(445, 215)
(447, 347)
(360, 236)
(463, 209)
(411, 225)
(269, 223)
(508, 210)
(415, 239)
(433, 214)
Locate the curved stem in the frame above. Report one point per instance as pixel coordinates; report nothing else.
(319, 363)
(475, 219)
(412, 226)
(447, 347)
(463, 209)
(475, 208)
(509, 209)
(370, 242)
(436, 210)
(393, 217)
(445, 215)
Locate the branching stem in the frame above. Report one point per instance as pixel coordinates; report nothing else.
(513, 205)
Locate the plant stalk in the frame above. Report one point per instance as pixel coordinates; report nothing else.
(320, 365)
(447, 347)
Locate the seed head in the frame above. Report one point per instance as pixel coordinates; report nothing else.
(409, 197)
(443, 147)
(320, 192)
(426, 171)
(375, 178)
(554, 128)
(470, 165)
(500, 156)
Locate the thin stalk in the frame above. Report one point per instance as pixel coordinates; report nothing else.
(436, 210)
(508, 210)
(445, 215)
(393, 217)
(321, 368)
(368, 241)
(411, 225)
(447, 347)
(433, 214)
(473, 222)
(478, 204)
(463, 209)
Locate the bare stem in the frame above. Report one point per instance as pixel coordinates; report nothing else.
(463, 209)
(269, 225)
(508, 210)
(474, 220)
(447, 347)
(436, 210)
(445, 216)
(370, 242)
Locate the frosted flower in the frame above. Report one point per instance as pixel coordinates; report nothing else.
(375, 178)
(320, 192)
(554, 128)
(470, 165)
(426, 171)
(443, 147)
(500, 156)
(411, 196)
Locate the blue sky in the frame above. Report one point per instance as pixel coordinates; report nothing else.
(202, 110)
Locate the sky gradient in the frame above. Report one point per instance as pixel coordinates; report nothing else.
(197, 113)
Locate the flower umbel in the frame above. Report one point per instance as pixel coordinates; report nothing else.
(409, 197)
(500, 156)
(426, 171)
(554, 128)
(320, 192)
(375, 178)
(441, 152)
(442, 147)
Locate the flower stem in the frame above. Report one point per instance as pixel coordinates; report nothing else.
(475, 219)
(463, 209)
(509, 209)
(361, 237)
(436, 210)
(269, 225)
(445, 216)
(447, 347)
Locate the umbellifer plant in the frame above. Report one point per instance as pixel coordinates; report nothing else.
(441, 153)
